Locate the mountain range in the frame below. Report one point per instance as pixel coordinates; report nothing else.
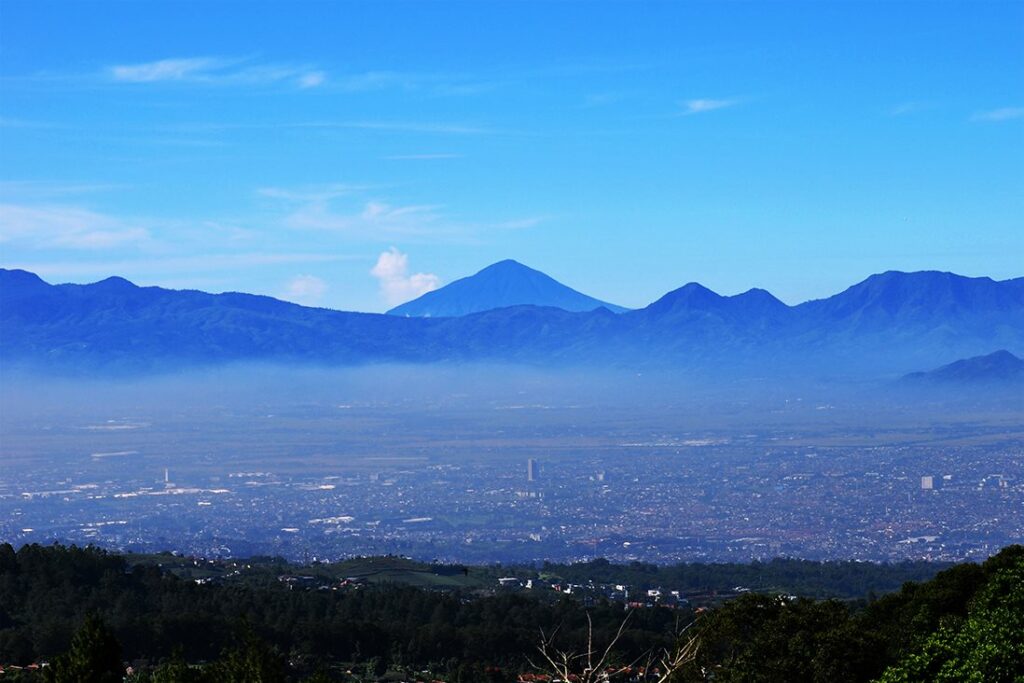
(997, 368)
(887, 325)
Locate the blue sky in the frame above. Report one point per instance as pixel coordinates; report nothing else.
(352, 155)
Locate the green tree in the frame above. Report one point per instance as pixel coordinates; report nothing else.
(986, 648)
(319, 676)
(94, 657)
(177, 670)
(252, 662)
(375, 668)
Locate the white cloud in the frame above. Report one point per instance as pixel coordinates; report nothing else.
(22, 123)
(66, 227)
(305, 289)
(1001, 114)
(315, 193)
(603, 99)
(396, 284)
(520, 223)
(345, 208)
(906, 108)
(412, 127)
(431, 127)
(435, 84)
(312, 79)
(372, 80)
(375, 219)
(216, 71)
(22, 189)
(144, 269)
(167, 70)
(704, 105)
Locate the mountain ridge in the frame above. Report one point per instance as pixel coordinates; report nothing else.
(998, 367)
(908, 321)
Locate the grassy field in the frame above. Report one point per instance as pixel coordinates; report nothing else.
(405, 571)
(375, 570)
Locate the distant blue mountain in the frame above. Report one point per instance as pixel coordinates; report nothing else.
(694, 301)
(919, 298)
(1000, 367)
(500, 285)
(926, 318)
(886, 325)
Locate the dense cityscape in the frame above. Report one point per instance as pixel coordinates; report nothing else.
(622, 494)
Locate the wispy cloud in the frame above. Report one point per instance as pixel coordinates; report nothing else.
(216, 71)
(443, 128)
(22, 123)
(1001, 114)
(374, 219)
(420, 157)
(906, 108)
(429, 84)
(183, 265)
(602, 99)
(396, 284)
(412, 127)
(313, 193)
(351, 210)
(520, 223)
(304, 289)
(21, 189)
(247, 70)
(700, 106)
(241, 71)
(312, 79)
(169, 70)
(66, 227)
(372, 80)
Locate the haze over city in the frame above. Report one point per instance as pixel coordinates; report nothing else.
(463, 342)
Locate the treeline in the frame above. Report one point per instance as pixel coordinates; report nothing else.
(807, 578)
(47, 592)
(87, 610)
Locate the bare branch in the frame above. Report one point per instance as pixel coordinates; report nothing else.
(565, 664)
(590, 643)
(615, 640)
(684, 652)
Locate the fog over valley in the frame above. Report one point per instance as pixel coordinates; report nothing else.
(434, 462)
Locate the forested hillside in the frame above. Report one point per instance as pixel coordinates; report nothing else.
(967, 623)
